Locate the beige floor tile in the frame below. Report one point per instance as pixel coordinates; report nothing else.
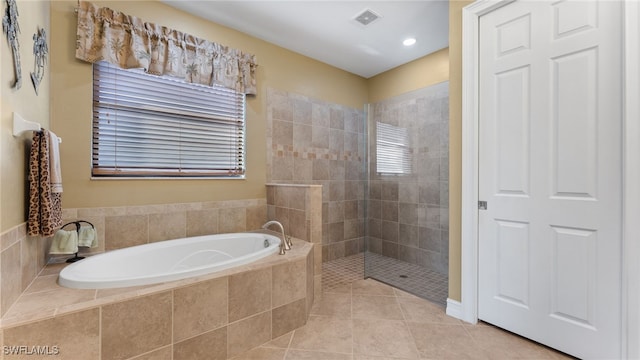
(402, 293)
(422, 311)
(333, 304)
(323, 333)
(371, 287)
(341, 288)
(315, 355)
(262, 353)
(386, 338)
(503, 344)
(369, 357)
(376, 307)
(439, 341)
(281, 342)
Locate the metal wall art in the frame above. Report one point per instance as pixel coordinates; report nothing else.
(11, 28)
(40, 51)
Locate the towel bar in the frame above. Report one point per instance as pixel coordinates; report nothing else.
(21, 125)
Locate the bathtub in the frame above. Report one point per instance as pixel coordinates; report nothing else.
(167, 260)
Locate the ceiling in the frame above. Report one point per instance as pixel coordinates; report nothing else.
(326, 30)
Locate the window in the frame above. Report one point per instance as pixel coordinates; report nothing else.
(392, 151)
(151, 126)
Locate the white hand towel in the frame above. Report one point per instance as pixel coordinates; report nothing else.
(54, 163)
(64, 242)
(88, 237)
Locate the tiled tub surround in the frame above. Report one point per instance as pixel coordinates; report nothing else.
(21, 259)
(215, 316)
(409, 214)
(310, 141)
(299, 209)
(120, 227)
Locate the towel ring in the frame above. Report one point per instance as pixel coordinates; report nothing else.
(77, 223)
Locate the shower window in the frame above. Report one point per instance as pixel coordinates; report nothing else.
(153, 126)
(393, 151)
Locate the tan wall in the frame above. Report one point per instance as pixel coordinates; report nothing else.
(71, 109)
(455, 146)
(13, 187)
(420, 73)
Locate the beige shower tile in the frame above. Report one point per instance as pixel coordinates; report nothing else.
(333, 304)
(249, 293)
(167, 226)
(199, 308)
(126, 231)
(316, 355)
(126, 326)
(232, 220)
(249, 333)
(376, 307)
(282, 132)
(288, 282)
(77, 335)
(164, 353)
(423, 311)
(211, 346)
(323, 333)
(289, 317)
(262, 353)
(202, 222)
(388, 338)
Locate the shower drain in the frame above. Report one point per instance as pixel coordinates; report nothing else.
(404, 276)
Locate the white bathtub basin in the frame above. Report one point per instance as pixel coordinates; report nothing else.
(167, 260)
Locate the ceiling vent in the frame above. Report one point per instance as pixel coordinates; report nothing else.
(366, 17)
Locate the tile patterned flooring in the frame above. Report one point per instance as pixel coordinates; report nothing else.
(411, 278)
(358, 319)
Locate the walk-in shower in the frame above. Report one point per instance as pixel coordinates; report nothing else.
(407, 192)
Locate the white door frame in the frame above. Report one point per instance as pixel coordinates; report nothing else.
(468, 307)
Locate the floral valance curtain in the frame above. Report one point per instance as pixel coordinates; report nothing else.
(129, 42)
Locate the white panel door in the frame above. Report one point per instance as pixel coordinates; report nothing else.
(550, 171)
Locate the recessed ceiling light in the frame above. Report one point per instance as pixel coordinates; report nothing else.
(409, 42)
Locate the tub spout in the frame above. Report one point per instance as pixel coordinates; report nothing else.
(284, 244)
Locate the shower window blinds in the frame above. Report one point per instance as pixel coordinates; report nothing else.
(393, 151)
(151, 126)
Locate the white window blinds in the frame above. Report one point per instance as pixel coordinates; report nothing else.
(393, 151)
(146, 125)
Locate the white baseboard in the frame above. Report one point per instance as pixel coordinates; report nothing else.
(454, 309)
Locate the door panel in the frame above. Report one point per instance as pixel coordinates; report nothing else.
(550, 170)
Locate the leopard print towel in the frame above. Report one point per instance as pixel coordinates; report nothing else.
(45, 207)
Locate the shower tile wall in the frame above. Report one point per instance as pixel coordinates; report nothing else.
(409, 214)
(314, 142)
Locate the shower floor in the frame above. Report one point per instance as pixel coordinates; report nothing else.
(411, 278)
